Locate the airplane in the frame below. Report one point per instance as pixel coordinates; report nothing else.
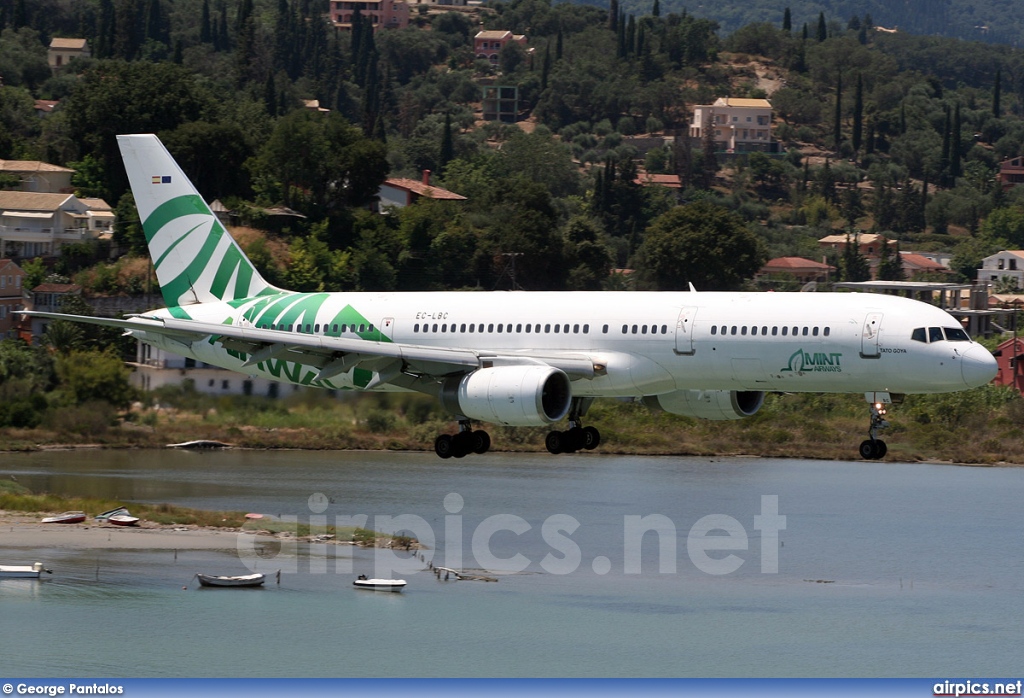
(523, 358)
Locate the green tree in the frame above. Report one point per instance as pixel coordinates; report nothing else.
(854, 266)
(890, 263)
(997, 90)
(699, 243)
(822, 28)
(787, 21)
(85, 376)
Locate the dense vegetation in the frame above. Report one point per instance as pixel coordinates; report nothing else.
(893, 133)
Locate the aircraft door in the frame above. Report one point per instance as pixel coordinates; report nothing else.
(869, 336)
(387, 326)
(684, 330)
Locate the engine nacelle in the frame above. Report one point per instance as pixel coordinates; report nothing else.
(516, 396)
(708, 404)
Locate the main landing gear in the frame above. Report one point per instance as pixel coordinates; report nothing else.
(467, 441)
(577, 437)
(874, 448)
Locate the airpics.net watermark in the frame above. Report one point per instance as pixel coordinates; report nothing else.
(712, 543)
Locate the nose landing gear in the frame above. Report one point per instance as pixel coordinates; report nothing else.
(874, 448)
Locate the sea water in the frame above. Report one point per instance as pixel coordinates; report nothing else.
(606, 566)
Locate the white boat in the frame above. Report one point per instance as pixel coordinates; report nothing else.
(246, 580)
(123, 520)
(379, 584)
(23, 571)
(113, 512)
(68, 517)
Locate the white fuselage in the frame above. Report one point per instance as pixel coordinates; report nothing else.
(647, 343)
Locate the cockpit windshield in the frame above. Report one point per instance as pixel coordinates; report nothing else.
(937, 334)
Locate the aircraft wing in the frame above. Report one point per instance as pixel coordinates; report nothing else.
(336, 355)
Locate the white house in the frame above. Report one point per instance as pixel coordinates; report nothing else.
(36, 224)
(740, 125)
(1005, 263)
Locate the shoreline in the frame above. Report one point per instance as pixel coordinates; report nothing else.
(891, 458)
(23, 531)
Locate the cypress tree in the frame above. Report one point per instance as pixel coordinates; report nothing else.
(954, 145)
(545, 68)
(869, 142)
(179, 52)
(858, 115)
(787, 21)
(837, 126)
(997, 94)
(822, 28)
(944, 157)
(613, 16)
(447, 144)
(223, 39)
(630, 35)
(558, 44)
(270, 95)
(205, 36)
(806, 33)
(656, 10)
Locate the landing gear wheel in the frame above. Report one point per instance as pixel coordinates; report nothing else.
(574, 438)
(443, 446)
(462, 444)
(555, 442)
(591, 438)
(873, 449)
(481, 441)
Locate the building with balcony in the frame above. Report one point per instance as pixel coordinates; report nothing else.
(487, 45)
(1011, 172)
(390, 14)
(37, 224)
(740, 125)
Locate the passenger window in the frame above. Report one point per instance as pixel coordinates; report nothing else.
(604, 329)
(462, 327)
(753, 330)
(586, 329)
(362, 327)
(416, 327)
(370, 328)
(634, 329)
(664, 329)
(335, 329)
(625, 329)
(935, 334)
(508, 327)
(472, 327)
(434, 328)
(743, 330)
(714, 329)
(529, 328)
(643, 329)
(805, 332)
(764, 329)
(827, 331)
(956, 334)
(308, 326)
(536, 328)
(519, 328)
(785, 331)
(490, 327)
(317, 328)
(556, 328)
(796, 331)
(547, 329)
(500, 327)
(444, 327)
(815, 332)
(775, 331)
(733, 329)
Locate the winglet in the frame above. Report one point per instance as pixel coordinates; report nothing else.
(195, 258)
(693, 289)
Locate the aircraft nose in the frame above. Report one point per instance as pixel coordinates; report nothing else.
(978, 366)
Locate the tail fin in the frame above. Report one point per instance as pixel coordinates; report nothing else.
(195, 258)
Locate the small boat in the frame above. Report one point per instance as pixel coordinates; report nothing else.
(68, 517)
(23, 571)
(379, 584)
(112, 512)
(123, 520)
(200, 443)
(246, 580)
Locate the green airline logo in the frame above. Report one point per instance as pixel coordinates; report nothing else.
(805, 362)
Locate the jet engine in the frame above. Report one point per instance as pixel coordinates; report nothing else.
(707, 404)
(516, 396)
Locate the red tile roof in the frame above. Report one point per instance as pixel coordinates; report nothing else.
(423, 189)
(795, 264)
